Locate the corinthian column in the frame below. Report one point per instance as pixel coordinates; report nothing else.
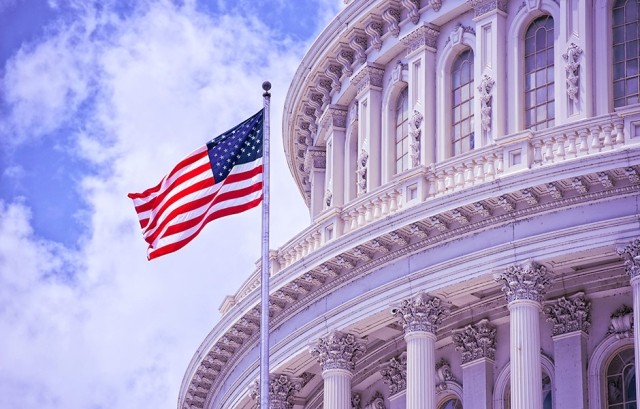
(281, 391)
(337, 354)
(420, 317)
(631, 255)
(525, 286)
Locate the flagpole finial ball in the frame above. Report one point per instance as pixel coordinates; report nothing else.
(266, 85)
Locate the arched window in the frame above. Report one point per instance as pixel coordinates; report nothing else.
(626, 36)
(547, 397)
(539, 87)
(402, 131)
(621, 381)
(453, 403)
(462, 138)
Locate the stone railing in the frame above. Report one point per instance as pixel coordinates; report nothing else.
(509, 154)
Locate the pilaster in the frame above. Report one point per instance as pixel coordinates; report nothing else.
(421, 59)
(631, 257)
(315, 164)
(335, 120)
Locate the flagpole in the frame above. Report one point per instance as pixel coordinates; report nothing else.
(264, 313)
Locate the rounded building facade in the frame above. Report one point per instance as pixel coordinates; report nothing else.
(472, 172)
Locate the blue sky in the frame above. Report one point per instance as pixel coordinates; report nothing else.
(98, 99)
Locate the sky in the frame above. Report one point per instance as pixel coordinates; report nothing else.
(99, 99)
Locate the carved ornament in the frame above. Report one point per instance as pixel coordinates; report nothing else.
(482, 7)
(443, 375)
(421, 313)
(282, 389)
(368, 76)
(572, 67)
(622, 322)
(524, 282)
(485, 87)
(424, 36)
(413, 8)
(394, 373)
(338, 350)
(392, 17)
(569, 314)
(476, 341)
(631, 256)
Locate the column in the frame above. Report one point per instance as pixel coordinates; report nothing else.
(368, 82)
(490, 69)
(477, 346)
(337, 354)
(524, 287)
(571, 318)
(335, 119)
(631, 255)
(420, 317)
(282, 389)
(421, 59)
(315, 163)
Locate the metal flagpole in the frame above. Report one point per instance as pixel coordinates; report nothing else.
(264, 278)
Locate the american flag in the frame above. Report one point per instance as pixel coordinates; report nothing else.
(223, 177)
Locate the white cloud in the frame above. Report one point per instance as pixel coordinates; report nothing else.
(100, 326)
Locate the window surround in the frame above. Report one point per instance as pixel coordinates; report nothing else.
(515, 58)
(453, 390)
(351, 154)
(598, 363)
(443, 71)
(391, 93)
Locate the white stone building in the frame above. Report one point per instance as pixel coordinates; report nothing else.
(472, 174)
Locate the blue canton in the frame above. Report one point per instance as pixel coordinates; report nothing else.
(240, 144)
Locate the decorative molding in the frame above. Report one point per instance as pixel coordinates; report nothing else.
(443, 375)
(359, 44)
(334, 116)
(394, 373)
(482, 7)
(622, 322)
(376, 402)
(476, 341)
(328, 197)
(338, 350)
(413, 9)
(356, 401)
(345, 57)
(415, 121)
(282, 389)
(569, 314)
(361, 172)
(436, 5)
(422, 313)
(631, 256)
(572, 67)
(374, 30)
(485, 87)
(392, 17)
(457, 33)
(524, 282)
(396, 74)
(368, 76)
(315, 158)
(334, 73)
(424, 36)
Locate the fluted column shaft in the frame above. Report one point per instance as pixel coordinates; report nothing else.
(421, 362)
(635, 286)
(337, 388)
(526, 375)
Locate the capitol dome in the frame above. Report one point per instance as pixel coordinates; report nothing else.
(471, 170)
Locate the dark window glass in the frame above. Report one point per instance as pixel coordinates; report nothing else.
(402, 131)
(626, 35)
(462, 90)
(538, 66)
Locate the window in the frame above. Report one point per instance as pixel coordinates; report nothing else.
(453, 403)
(621, 381)
(538, 71)
(402, 131)
(547, 398)
(462, 138)
(626, 36)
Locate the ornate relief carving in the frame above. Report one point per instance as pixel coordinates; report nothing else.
(530, 196)
(353, 113)
(632, 174)
(323, 86)
(335, 116)
(436, 5)
(359, 44)
(476, 341)
(361, 172)
(417, 230)
(369, 75)
(414, 133)
(328, 196)
(482, 7)
(413, 7)
(569, 314)
(376, 402)
(282, 389)
(315, 159)
(355, 401)
(485, 87)
(392, 18)
(374, 30)
(579, 186)
(424, 36)
(334, 73)
(622, 322)
(338, 351)
(572, 67)
(524, 282)
(345, 57)
(456, 34)
(420, 313)
(443, 374)
(506, 203)
(631, 256)
(396, 74)
(482, 210)
(394, 373)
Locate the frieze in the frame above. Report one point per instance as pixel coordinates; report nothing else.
(422, 313)
(394, 373)
(338, 350)
(569, 314)
(424, 36)
(528, 281)
(476, 341)
(631, 257)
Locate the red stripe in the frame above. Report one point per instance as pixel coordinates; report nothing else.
(170, 248)
(240, 176)
(187, 224)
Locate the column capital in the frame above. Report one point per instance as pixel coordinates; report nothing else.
(476, 341)
(528, 281)
(425, 36)
(369, 76)
(482, 7)
(394, 373)
(569, 314)
(338, 350)
(631, 256)
(422, 313)
(281, 391)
